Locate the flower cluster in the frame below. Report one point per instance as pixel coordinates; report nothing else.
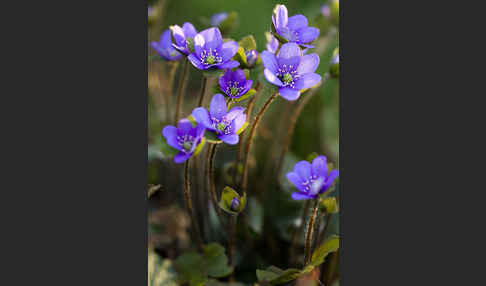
(234, 83)
(184, 138)
(290, 70)
(311, 180)
(217, 119)
(293, 29)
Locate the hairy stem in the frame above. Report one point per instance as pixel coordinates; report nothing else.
(298, 230)
(190, 209)
(172, 71)
(310, 232)
(244, 177)
(249, 109)
(203, 90)
(212, 187)
(232, 239)
(293, 120)
(182, 87)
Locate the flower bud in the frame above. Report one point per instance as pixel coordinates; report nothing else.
(216, 19)
(235, 204)
(251, 57)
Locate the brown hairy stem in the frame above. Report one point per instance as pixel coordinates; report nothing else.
(182, 87)
(298, 230)
(310, 232)
(190, 209)
(244, 177)
(293, 120)
(203, 90)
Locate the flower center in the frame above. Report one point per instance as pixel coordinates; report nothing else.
(287, 78)
(233, 90)
(288, 75)
(186, 142)
(314, 184)
(210, 60)
(210, 57)
(221, 126)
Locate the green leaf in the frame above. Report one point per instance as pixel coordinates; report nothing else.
(241, 56)
(199, 147)
(188, 266)
(330, 205)
(276, 275)
(213, 73)
(330, 245)
(245, 96)
(216, 261)
(247, 43)
(167, 150)
(227, 196)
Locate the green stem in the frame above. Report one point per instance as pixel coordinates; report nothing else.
(310, 232)
(190, 209)
(182, 87)
(244, 178)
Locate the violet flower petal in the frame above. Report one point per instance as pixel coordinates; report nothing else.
(303, 169)
(228, 65)
(269, 61)
(272, 78)
(280, 16)
(307, 34)
(228, 50)
(307, 80)
(181, 157)
(201, 115)
(308, 64)
(289, 54)
(302, 196)
(189, 30)
(212, 38)
(170, 134)
(319, 166)
(229, 139)
(217, 107)
(196, 62)
(297, 21)
(289, 93)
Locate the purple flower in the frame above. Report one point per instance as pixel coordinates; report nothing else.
(184, 37)
(234, 84)
(335, 60)
(164, 47)
(290, 70)
(325, 10)
(294, 29)
(211, 52)
(251, 57)
(311, 179)
(216, 19)
(224, 123)
(272, 43)
(184, 138)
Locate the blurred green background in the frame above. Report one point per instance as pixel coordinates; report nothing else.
(317, 130)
